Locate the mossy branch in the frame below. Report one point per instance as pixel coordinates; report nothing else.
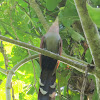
(92, 36)
(75, 63)
(90, 31)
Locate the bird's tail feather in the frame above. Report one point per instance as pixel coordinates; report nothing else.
(47, 85)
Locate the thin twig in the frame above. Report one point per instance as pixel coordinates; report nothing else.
(4, 55)
(34, 72)
(84, 84)
(6, 31)
(28, 17)
(34, 77)
(26, 2)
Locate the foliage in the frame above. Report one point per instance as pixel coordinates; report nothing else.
(19, 21)
(94, 14)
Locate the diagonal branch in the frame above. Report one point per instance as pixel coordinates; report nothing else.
(75, 63)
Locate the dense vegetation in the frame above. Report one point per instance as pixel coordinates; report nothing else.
(27, 21)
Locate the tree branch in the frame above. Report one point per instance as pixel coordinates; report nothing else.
(92, 36)
(12, 71)
(90, 31)
(77, 64)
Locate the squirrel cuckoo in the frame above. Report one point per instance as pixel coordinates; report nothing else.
(51, 41)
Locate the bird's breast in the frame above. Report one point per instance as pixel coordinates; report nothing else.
(52, 42)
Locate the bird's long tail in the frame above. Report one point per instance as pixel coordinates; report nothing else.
(47, 85)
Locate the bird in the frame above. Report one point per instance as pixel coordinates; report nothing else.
(51, 41)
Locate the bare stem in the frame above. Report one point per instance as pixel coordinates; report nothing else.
(84, 85)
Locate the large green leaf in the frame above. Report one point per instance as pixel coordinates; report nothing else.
(52, 4)
(68, 14)
(75, 35)
(88, 56)
(32, 90)
(94, 14)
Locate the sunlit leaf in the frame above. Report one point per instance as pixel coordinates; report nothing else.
(68, 14)
(2, 90)
(31, 91)
(18, 86)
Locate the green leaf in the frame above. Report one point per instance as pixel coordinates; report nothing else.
(95, 96)
(68, 14)
(65, 90)
(21, 96)
(2, 90)
(68, 76)
(18, 86)
(26, 73)
(19, 54)
(88, 56)
(37, 69)
(75, 35)
(94, 14)
(31, 91)
(2, 76)
(75, 97)
(2, 63)
(63, 78)
(52, 4)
